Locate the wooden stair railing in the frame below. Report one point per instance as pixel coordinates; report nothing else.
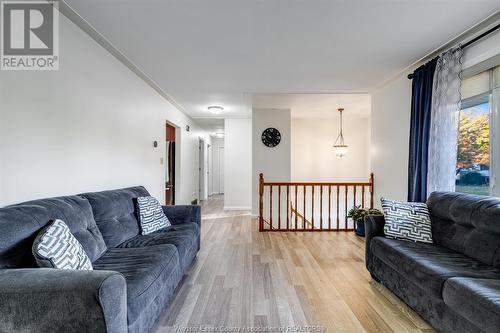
(324, 205)
(303, 219)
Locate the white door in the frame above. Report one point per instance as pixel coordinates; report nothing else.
(221, 170)
(201, 169)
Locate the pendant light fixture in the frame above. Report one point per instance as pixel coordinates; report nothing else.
(340, 146)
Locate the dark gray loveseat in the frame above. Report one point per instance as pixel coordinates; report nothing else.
(133, 279)
(454, 283)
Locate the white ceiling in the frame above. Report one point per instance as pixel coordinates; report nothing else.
(212, 125)
(220, 52)
(315, 105)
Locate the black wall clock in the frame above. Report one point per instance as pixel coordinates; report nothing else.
(271, 137)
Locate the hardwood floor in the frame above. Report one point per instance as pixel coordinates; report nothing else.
(264, 282)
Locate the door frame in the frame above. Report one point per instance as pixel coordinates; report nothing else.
(221, 170)
(210, 182)
(176, 161)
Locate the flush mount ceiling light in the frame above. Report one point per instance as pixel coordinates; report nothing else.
(215, 109)
(340, 146)
(218, 135)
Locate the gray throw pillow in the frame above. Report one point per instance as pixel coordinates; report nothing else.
(151, 215)
(407, 221)
(56, 247)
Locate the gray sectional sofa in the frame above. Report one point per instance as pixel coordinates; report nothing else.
(454, 283)
(133, 279)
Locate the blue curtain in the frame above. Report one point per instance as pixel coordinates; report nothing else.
(421, 103)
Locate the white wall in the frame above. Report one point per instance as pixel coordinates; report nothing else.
(391, 109)
(238, 164)
(217, 144)
(89, 126)
(274, 163)
(313, 155)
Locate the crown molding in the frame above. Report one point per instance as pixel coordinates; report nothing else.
(100, 39)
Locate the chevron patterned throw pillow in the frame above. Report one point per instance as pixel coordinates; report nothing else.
(56, 247)
(151, 215)
(407, 221)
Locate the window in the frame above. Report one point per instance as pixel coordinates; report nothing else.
(473, 156)
(478, 150)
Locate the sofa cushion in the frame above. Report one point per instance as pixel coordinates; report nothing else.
(428, 265)
(183, 236)
(21, 223)
(147, 270)
(407, 220)
(478, 300)
(56, 247)
(467, 224)
(151, 215)
(115, 213)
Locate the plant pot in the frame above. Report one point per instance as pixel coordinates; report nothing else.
(360, 227)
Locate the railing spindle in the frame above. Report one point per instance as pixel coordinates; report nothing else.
(354, 195)
(304, 215)
(296, 208)
(287, 207)
(271, 206)
(279, 206)
(363, 196)
(312, 208)
(321, 207)
(346, 188)
(372, 184)
(354, 204)
(338, 207)
(329, 207)
(261, 202)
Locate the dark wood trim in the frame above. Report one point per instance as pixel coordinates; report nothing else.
(306, 224)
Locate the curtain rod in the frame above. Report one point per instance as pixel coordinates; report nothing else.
(472, 41)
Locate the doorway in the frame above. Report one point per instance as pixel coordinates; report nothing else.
(170, 133)
(201, 169)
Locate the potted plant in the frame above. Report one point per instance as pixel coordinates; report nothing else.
(357, 214)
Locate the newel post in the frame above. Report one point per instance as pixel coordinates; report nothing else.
(372, 185)
(261, 202)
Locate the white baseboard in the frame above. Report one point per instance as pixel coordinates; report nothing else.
(237, 208)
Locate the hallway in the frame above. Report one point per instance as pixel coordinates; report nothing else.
(265, 282)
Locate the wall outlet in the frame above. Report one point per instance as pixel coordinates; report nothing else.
(161, 161)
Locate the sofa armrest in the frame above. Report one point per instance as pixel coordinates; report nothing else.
(183, 214)
(374, 226)
(50, 300)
